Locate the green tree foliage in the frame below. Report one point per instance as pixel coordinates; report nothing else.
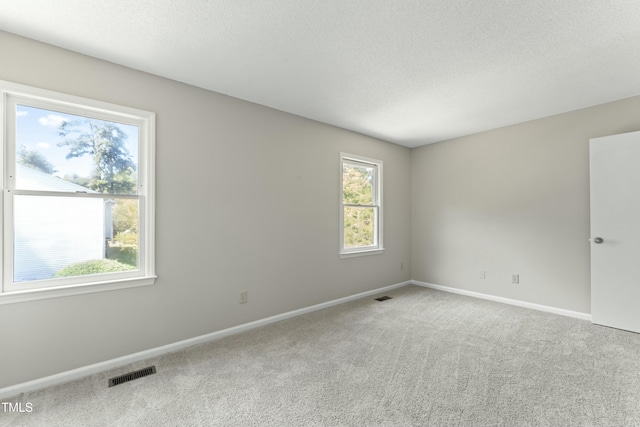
(124, 254)
(34, 160)
(105, 142)
(357, 185)
(125, 222)
(125, 226)
(359, 221)
(94, 266)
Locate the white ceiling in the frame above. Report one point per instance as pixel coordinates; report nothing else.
(410, 72)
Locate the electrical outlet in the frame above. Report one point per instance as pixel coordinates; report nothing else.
(515, 279)
(244, 297)
(402, 266)
(483, 274)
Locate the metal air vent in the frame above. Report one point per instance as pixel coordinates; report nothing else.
(132, 376)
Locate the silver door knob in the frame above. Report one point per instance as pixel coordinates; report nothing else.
(598, 240)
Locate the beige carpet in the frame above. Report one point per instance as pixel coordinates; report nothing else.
(422, 358)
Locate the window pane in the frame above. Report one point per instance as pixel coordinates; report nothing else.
(359, 227)
(357, 184)
(73, 236)
(57, 151)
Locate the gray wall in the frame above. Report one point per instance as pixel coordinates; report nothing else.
(247, 198)
(512, 200)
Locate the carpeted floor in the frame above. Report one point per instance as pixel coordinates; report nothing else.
(422, 358)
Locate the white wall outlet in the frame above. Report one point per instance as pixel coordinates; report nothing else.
(515, 278)
(244, 297)
(483, 274)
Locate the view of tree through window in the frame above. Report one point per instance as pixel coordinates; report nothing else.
(358, 200)
(67, 235)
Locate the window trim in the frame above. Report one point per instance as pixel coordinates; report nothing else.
(13, 94)
(377, 248)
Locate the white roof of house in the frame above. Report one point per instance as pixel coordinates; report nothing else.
(33, 179)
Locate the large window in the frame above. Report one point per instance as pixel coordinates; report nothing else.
(360, 205)
(78, 195)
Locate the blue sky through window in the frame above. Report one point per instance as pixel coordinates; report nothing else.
(38, 130)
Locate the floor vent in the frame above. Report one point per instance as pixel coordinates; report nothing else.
(384, 298)
(132, 376)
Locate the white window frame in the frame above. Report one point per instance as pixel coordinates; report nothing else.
(13, 94)
(377, 247)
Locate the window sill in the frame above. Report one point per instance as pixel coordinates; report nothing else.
(64, 291)
(361, 253)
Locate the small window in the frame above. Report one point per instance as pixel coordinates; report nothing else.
(78, 195)
(360, 205)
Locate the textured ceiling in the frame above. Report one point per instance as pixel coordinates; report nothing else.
(409, 72)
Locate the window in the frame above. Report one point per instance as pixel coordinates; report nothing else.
(78, 183)
(360, 206)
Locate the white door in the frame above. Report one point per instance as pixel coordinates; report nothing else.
(615, 230)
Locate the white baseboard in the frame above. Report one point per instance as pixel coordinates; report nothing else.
(78, 373)
(561, 311)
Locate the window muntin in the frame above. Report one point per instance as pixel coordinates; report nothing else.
(78, 194)
(361, 208)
